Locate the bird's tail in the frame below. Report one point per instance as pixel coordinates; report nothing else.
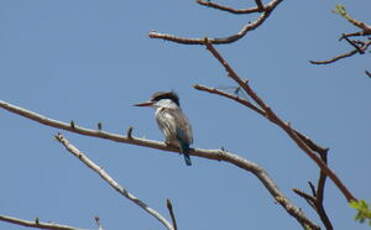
(185, 151)
(184, 146)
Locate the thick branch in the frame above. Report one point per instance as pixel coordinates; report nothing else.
(217, 154)
(36, 224)
(223, 40)
(277, 120)
(106, 177)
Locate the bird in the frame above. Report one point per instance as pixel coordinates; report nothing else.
(172, 121)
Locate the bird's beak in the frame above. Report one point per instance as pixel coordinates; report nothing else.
(147, 103)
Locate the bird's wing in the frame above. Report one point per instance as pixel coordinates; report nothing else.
(176, 124)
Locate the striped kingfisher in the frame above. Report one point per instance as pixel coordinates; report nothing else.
(172, 121)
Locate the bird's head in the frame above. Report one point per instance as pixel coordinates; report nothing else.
(161, 99)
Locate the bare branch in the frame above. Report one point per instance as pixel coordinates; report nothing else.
(360, 50)
(354, 45)
(366, 30)
(36, 224)
(316, 200)
(276, 120)
(230, 96)
(260, 5)
(307, 140)
(106, 177)
(217, 154)
(223, 40)
(334, 59)
(340, 9)
(310, 199)
(169, 206)
(229, 9)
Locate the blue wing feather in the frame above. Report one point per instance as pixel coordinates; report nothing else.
(176, 128)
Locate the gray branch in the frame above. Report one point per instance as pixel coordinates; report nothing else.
(106, 177)
(212, 154)
(36, 224)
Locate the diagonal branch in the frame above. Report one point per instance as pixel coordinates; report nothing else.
(217, 154)
(274, 118)
(106, 177)
(268, 8)
(340, 9)
(315, 201)
(36, 224)
(307, 140)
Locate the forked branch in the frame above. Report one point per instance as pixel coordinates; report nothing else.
(274, 118)
(106, 177)
(360, 46)
(266, 12)
(216, 154)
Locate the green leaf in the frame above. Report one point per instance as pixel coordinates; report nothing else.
(363, 211)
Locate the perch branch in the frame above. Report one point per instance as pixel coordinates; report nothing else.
(268, 8)
(106, 177)
(276, 120)
(217, 154)
(36, 224)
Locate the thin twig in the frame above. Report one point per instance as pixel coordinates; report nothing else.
(334, 59)
(36, 224)
(217, 154)
(317, 197)
(99, 224)
(169, 206)
(260, 5)
(227, 8)
(230, 96)
(345, 55)
(320, 196)
(366, 30)
(129, 132)
(310, 199)
(275, 119)
(360, 51)
(307, 140)
(106, 177)
(268, 8)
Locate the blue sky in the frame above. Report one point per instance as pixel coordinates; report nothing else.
(89, 61)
